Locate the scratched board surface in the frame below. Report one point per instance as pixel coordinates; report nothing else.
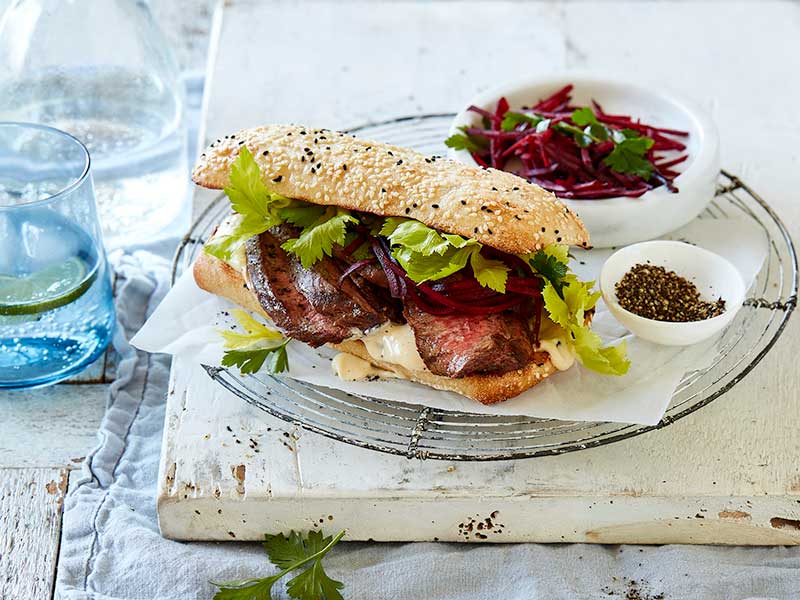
(725, 474)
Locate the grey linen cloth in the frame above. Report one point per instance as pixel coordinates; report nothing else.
(111, 547)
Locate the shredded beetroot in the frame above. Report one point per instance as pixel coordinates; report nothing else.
(553, 159)
(447, 296)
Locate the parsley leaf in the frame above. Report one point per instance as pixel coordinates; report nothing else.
(318, 238)
(250, 198)
(489, 272)
(290, 553)
(551, 264)
(512, 119)
(584, 116)
(251, 349)
(465, 141)
(628, 156)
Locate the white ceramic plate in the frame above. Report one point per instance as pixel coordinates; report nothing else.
(620, 221)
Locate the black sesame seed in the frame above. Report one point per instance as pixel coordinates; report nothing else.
(344, 167)
(556, 232)
(368, 148)
(313, 170)
(242, 142)
(265, 153)
(464, 202)
(319, 164)
(490, 231)
(494, 189)
(289, 134)
(414, 205)
(517, 217)
(327, 147)
(558, 239)
(400, 162)
(475, 230)
(302, 133)
(383, 190)
(516, 189)
(302, 159)
(390, 153)
(543, 230)
(483, 207)
(408, 210)
(434, 206)
(278, 179)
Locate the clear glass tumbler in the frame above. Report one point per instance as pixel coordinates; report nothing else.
(103, 71)
(56, 306)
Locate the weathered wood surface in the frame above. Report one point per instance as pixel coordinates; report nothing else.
(726, 474)
(30, 525)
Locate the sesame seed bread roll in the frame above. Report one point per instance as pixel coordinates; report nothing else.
(218, 277)
(326, 167)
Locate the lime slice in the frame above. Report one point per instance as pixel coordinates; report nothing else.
(53, 286)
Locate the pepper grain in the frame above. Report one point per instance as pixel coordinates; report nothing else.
(654, 293)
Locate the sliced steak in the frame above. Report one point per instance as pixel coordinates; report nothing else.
(459, 345)
(308, 304)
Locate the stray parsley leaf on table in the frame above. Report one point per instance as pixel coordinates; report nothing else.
(290, 553)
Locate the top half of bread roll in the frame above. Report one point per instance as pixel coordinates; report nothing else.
(327, 167)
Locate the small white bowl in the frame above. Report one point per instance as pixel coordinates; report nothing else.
(621, 221)
(713, 275)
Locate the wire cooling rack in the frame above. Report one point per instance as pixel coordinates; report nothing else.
(426, 433)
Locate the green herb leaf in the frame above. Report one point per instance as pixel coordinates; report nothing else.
(465, 141)
(318, 239)
(251, 361)
(512, 119)
(628, 156)
(584, 116)
(257, 345)
(551, 264)
(302, 214)
(293, 551)
(290, 553)
(414, 235)
(246, 589)
(568, 310)
(251, 199)
(489, 272)
(611, 360)
(421, 268)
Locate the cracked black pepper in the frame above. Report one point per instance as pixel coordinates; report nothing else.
(654, 293)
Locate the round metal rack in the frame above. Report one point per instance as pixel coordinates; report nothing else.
(425, 433)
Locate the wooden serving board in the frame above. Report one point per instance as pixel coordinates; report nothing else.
(727, 474)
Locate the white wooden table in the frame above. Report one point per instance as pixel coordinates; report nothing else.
(738, 59)
(726, 474)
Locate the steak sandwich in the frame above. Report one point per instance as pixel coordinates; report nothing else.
(411, 266)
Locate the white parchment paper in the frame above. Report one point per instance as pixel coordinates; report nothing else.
(188, 319)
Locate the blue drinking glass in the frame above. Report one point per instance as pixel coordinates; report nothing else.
(56, 306)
